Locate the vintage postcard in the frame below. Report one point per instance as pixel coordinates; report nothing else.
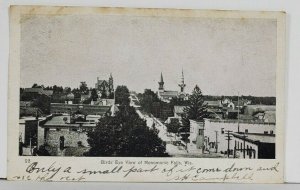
(146, 95)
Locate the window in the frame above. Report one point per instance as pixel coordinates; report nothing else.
(200, 132)
(247, 150)
(271, 132)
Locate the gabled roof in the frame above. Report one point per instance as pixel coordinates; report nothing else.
(256, 138)
(168, 93)
(239, 103)
(100, 82)
(33, 90)
(48, 92)
(267, 116)
(99, 102)
(38, 91)
(213, 103)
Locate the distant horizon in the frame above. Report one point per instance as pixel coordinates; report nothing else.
(221, 56)
(154, 90)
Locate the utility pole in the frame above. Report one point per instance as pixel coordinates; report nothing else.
(216, 141)
(228, 142)
(238, 105)
(244, 148)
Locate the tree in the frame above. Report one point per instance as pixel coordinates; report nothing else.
(43, 103)
(103, 92)
(83, 88)
(35, 85)
(173, 126)
(184, 130)
(67, 90)
(124, 134)
(94, 94)
(122, 95)
(197, 109)
(57, 89)
(147, 100)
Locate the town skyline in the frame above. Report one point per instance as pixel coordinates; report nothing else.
(92, 85)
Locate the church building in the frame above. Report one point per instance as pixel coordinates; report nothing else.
(105, 88)
(167, 95)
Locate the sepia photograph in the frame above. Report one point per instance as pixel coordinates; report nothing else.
(141, 86)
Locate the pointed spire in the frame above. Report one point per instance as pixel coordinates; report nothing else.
(182, 76)
(161, 83)
(161, 77)
(181, 84)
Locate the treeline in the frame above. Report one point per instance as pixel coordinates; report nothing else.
(265, 100)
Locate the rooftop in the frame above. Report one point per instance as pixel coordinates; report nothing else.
(58, 121)
(168, 93)
(213, 103)
(179, 109)
(256, 138)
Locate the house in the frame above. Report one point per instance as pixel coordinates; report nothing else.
(105, 88)
(232, 114)
(179, 111)
(214, 109)
(196, 137)
(253, 109)
(60, 108)
(254, 146)
(170, 119)
(61, 132)
(213, 104)
(48, 92)
(93, 118)
(27, 109)
(58, 132)
(33, 93)
(266, 116)
(84, 97)
(215, 131)
(103, 102)
(241, 103)
(167, 95)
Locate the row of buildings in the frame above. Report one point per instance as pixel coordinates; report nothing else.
(237, 129)
(62, 131)
(252, 138)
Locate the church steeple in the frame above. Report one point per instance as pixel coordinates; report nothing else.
(161, 83)
(182, 84)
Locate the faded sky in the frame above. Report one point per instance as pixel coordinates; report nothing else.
(222, 56)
